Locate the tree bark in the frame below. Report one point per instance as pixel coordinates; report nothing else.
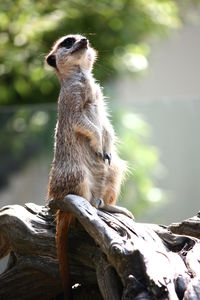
(111, 256)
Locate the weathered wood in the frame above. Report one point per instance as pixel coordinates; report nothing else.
(190, 226)
(111, 256)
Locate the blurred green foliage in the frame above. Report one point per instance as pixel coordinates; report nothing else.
(139, 190)
(118, 29)
(25, 133)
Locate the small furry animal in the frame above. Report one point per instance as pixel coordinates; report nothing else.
(84, 140)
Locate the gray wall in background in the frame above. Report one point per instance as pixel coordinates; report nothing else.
(175, 131)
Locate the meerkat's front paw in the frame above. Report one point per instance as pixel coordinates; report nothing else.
(104, 156)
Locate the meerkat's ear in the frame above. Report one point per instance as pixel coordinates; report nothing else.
(51, 60)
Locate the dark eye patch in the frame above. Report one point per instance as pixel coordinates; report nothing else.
(67, 43)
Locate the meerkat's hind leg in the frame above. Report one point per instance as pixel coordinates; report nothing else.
(113, 209)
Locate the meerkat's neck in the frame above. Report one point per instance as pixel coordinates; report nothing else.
(76, 73)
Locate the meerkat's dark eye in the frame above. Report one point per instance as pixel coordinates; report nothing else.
(67, 43)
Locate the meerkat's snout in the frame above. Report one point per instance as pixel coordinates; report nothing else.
(80, 45)
(84, 42)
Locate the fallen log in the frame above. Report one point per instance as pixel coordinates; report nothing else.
(111, 256)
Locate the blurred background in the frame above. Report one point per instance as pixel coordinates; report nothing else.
(149, 65)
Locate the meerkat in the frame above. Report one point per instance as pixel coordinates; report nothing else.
(85, 161)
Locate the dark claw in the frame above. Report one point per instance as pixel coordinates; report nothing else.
(99, 203)
(108, 157)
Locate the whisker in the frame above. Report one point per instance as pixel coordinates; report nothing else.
(107, 70)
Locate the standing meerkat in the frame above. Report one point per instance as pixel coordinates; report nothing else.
(85, 159)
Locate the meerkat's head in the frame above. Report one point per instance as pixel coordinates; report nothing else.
(69, 52)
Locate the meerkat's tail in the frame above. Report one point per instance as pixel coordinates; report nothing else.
(64, 220)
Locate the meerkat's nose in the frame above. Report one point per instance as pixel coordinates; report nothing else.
(84, 41)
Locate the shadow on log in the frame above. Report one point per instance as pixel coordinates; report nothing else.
(111, 256)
